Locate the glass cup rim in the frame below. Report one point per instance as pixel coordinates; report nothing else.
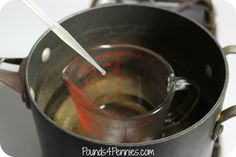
(170, 86)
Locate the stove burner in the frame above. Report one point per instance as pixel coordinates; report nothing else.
(200, 11)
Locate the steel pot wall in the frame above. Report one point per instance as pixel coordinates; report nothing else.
(184, 44)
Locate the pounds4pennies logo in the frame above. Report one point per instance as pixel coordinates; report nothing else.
(115, 151)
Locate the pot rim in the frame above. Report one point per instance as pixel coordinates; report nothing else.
(161, 140)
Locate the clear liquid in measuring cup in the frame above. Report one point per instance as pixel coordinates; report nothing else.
(110, 104)
(123, 105)
(116, 101)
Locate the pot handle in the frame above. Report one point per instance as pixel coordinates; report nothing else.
(10, 78)
(229, 112)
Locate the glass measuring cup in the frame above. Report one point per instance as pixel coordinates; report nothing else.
(128, 104)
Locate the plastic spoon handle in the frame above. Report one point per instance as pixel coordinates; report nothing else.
(63, 34)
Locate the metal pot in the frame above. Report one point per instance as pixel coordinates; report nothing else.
(188, 47)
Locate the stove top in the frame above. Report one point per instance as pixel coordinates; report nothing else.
(198, 10)
(17, 130)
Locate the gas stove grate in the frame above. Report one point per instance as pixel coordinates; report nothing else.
(200, 11)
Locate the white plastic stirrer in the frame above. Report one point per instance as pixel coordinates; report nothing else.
(63, 34)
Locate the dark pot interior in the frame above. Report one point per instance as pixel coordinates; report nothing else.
(191, 51)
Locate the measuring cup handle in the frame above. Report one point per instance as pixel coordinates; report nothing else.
(187, 104)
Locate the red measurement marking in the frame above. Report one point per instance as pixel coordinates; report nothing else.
(104, 55)
(88, 122)
(117, 64)
(84, 120)
(78, 96)
(106, 65)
